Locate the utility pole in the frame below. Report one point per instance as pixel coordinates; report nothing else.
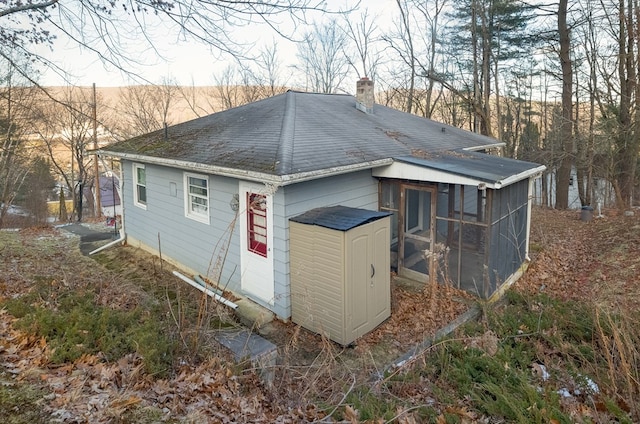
(95, 159)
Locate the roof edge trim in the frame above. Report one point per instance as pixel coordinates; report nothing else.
(534, 172)
(278, 180)
(497, 144)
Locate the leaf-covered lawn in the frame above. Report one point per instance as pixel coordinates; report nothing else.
(559, 319)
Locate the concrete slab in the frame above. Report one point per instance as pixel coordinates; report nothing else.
(246, 345)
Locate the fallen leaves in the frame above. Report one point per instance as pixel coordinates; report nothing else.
(572, 260)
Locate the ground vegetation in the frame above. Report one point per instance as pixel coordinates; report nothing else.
(115, 338)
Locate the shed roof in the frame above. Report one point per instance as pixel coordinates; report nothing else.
(340, 218)
(296, 133)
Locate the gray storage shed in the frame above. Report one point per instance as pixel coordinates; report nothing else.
(340, 277)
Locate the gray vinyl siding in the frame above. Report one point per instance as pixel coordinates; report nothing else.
(184, 240)
(195, 245)
(358, 190)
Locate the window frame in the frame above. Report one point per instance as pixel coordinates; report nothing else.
(189, 212)
(137, 201)
(254, 228)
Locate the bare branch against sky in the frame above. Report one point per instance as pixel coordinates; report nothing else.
(127, 35)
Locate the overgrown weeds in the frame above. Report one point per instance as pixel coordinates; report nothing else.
(534, 360)
(74, 324)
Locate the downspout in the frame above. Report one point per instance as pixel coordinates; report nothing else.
(123, 235)
(111, 243)
(206, 290)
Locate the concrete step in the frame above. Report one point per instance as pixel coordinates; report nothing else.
(248, 346)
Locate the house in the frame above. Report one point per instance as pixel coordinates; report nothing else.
(109, 196)
(215, 195)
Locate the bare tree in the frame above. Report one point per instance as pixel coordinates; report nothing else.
(363, 36)
(66, 130)
(193, 96)
(108, 28)
(226, 91)
(628, 134)
(566, 123)
(431, 13)
(322, 57)
(401, 42)
(146, 108)
(271, 76)
(16, 157)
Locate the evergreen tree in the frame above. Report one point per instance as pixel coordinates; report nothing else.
(488, 34)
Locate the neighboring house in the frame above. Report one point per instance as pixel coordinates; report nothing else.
(110, 196)
(215, 195)
(602, 192)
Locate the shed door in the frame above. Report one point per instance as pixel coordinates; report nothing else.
(256, 242)
(417, 209)
(368, 276)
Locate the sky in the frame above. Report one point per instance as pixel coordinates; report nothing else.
(185, 61)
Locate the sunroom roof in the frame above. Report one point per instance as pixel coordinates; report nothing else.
(460, 167)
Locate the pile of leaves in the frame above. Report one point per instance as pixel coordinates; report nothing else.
(577, 260)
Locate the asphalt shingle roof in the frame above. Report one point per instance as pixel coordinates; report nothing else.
(299, 132)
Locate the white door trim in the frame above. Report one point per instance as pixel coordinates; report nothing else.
(257, 271)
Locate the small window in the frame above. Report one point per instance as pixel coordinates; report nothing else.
(139, 186)
(197, 197)
(257, 223)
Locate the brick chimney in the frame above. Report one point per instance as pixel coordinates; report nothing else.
(364, 95)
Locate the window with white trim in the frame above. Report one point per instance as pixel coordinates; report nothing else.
(196, 190)
(139, 186)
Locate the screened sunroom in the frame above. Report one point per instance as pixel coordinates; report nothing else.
(458, 218)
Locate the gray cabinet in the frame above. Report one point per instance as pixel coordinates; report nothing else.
(339, 264)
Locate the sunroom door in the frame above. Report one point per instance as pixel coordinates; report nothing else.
(417, 232)
(256, 242)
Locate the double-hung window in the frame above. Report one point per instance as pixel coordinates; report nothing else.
(139, 186)
(197, 197)
(257, 223)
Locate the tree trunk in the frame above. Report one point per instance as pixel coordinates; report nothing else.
(476, 72)
(566, 126)
(626, 154)
(485, 123)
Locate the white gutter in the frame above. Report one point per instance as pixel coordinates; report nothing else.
(122, 238)
(492, 146)
(521, 176)
(206, 290)
(277, 180)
